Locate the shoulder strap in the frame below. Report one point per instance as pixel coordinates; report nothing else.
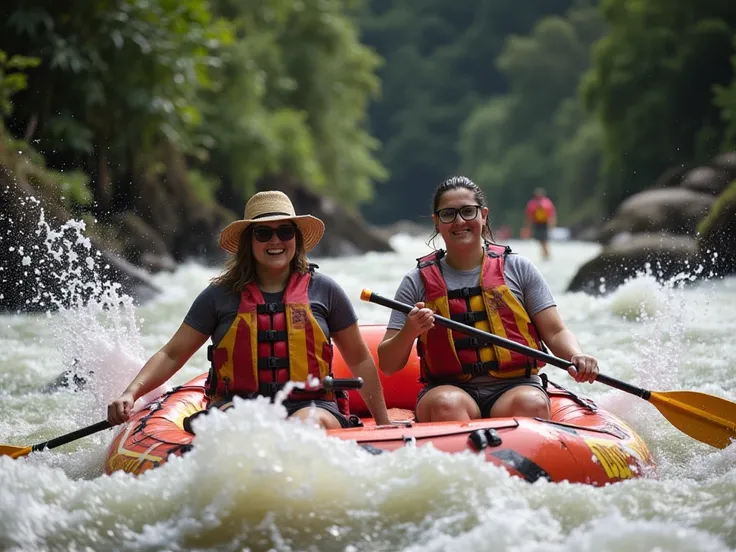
(496, 250)
(433, 257)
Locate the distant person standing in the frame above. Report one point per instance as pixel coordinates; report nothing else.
(540, 217)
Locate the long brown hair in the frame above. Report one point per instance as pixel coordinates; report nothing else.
(455, 183)
(240, 269)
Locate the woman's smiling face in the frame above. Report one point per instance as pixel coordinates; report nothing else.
(460, 233)
(275, 254)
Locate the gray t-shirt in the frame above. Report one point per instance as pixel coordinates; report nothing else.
(523, 278)
(214, 310)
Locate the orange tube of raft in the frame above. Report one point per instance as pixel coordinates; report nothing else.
(580, 443)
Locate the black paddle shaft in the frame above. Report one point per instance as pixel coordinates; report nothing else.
(329, 383)
(73, 436)
(341, 384)
(508, 344)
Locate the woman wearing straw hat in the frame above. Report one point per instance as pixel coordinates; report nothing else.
(271, 318)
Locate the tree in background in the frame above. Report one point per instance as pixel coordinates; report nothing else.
(538, 135)
(293, 99)
(244, 90)
(439, 66)
(653, 85)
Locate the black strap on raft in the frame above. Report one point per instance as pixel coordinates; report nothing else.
(225, 404)
(585, 403)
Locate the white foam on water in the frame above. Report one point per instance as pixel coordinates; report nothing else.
(259, 482)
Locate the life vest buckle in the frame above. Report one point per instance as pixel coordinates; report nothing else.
(270, 389)
(270, 335)
(271, 308)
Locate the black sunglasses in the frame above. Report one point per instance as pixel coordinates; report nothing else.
(285, 232)
(449, 214)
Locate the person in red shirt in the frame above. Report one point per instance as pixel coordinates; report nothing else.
(540, 217)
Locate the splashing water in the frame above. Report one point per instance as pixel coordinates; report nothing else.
(256, 481)
(84, 317)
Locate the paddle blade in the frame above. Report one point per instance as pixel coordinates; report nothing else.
(14, 452)
(707, 418)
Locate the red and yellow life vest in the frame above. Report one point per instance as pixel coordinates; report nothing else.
(541, 214)
(490, 307)
(269, 344)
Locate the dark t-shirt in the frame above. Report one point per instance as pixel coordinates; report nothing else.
(214, 310)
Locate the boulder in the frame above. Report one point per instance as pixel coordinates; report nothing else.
(717, 233)
(665, 256)
(666, 210)
(726, 162)
(673, 176)
(706, 180)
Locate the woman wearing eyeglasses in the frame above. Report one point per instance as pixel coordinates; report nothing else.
(482, 284)
(272, 318)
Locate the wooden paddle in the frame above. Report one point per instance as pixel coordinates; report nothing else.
(704, 417)
(329, 384)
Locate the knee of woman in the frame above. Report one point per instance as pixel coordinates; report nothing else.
(446, 407)
(533, 405)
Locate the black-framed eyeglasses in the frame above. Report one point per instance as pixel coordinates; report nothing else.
(449, 214)
(285, 232)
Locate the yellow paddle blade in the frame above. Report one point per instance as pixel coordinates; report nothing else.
(14, 452)
(707, 418)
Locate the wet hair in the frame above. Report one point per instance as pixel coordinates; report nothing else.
(457, 183)
(240, 269)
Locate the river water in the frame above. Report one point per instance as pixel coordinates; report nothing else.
(258, 482)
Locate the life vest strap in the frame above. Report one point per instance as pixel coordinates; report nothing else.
(469, 317)
(272, 335)
(469, 343)
(272, 362)
(480, 368)
(270, 308)
(464, 293)
(269, 389)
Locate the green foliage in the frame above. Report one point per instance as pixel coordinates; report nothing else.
(69, 188)
(726, 100)
(13, 79)
(244, 89)
(439, 68)
(538, 134)
(652, 85)
(726, 200)
(127, 71)
(204, 186)
(293, 97)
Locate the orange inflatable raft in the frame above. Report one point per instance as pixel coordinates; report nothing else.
(580, 443)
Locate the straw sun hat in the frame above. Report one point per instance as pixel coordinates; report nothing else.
(269, 207)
